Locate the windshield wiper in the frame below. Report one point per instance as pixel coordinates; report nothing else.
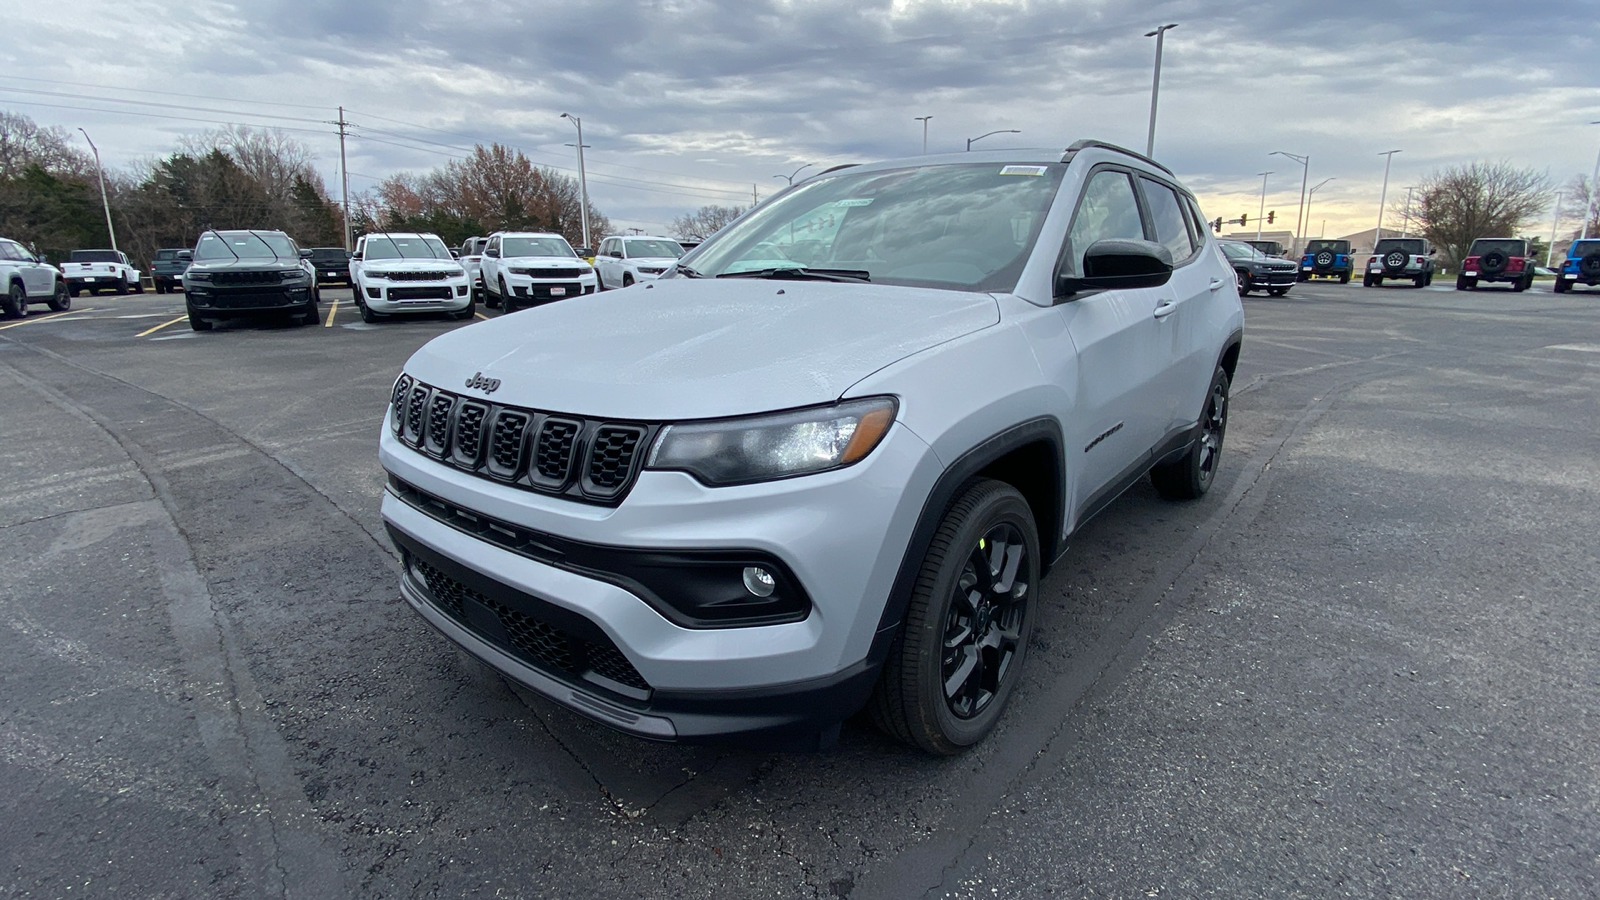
(801, 273)
(688, 272)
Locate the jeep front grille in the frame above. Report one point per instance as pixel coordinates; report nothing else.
(588, 460)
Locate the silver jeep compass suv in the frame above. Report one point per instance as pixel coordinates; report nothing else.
(823, 463)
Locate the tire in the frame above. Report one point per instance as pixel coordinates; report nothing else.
(17, 301)
(197, 323)
(1344, 278)
(61, 301)
(1561, 285)
(161, 287)
(370, 317)
(468, 313)
(1420, 281)
(1191, 475)
(627, 280)
(1394, 263)
(987, 548)
(308, 313)
(1589, 265)
(122, 286)
(1366, 281)
(1243, 279)
(508, 300)
(73, 290)
(1463, 283)
(1278, 291)
(1493, 263)
(138, 285)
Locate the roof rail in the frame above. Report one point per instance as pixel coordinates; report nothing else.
(1104, 145)
(835, 169)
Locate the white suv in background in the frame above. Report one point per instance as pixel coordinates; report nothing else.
(626, 259)
(527, 268)
(397, 273)
(25, 279)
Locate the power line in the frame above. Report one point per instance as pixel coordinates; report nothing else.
(129, 112)
(226, 112)
(162, 93)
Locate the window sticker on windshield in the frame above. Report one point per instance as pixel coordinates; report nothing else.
(1024, 170)
(855, 201)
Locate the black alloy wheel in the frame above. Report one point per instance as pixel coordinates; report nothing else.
(508, 300)
(1493, 263)
(198, 324)
(1189, 476)
(1561, 285)
(17, 302)
(956, 660)
(1463, 283)
(61, 301)
(368, 316)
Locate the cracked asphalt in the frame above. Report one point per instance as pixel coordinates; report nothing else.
(1367, 664)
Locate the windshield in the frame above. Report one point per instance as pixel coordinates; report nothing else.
(655, 249)
(956, 226)
(535, 246)
(474, 247)
(1335, 246)
(166, 254)
(245, 245)
(1581, 249)
(1508, 246)
(327, 254)
(95, 256)
(1239, 251)
(1403, 245)
(392, 246)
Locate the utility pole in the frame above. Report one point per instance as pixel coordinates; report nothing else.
(1262, 211)
(1160, 35)
(1299, 217)
(583, 180)
(1405, 219)
(1589, 209)
(100, 170)
(924, 121)
(755, 199)
(344, 178)
(1555, 222)
(1388, 157)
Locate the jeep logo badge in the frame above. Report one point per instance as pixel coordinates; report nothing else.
(487, 385)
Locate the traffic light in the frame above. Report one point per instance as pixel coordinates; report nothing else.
(1216, 224)
(1244, 219)
(1270, 214)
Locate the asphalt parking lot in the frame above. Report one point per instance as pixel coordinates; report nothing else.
(1366, 665)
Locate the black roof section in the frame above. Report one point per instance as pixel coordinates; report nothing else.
(1105, 145)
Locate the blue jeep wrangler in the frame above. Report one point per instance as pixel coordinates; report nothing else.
(1582, 265)
(1326, 259)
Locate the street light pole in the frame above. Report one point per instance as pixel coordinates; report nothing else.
(982, 136)
(924, 121)
(1310, 196)
(1555, 222)
(99, 170)
(1160, 35)
(1263, 208)
(1594, 194)
(1305, 170)
(1383, 196)
(790, 176)
(583, 179)
(1405, 218)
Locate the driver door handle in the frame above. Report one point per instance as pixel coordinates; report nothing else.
(1217, 283)
(1166, 308)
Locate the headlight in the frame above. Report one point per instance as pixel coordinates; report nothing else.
(197, 276)
(291, 277)
(377, 275)
(651, 270)
(776, 445)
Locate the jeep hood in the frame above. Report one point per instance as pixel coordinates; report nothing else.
(699, 348)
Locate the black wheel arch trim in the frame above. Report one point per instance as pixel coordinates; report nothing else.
(969, 464)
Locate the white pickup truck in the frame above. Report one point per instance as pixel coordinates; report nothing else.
(94, 270)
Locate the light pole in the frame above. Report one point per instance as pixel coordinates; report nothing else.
(1305, 170)
(1405, 217)
(924, 121)
(1263, 208)
(1555, 222)
(1310, 196)
(1594, 195)
(583, 180)
(1160, 35)
(112, 232)
(982, 136)
(1388, 157)
(790, 176)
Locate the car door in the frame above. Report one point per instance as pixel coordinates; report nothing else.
(491, 265)
(1182, 316)
(37, 278)
(602, 262)
(1120, 347)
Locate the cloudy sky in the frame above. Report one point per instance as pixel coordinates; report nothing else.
(689, 102)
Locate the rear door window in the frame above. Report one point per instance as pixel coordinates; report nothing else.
(1167, 215)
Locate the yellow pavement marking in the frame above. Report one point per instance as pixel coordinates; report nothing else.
(331, 310)
(47, 318)
(481, 316)
(162, 325)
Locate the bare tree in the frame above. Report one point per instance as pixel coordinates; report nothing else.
(23, 143)
(705, 221)
(1577, 203)
(1480, 199)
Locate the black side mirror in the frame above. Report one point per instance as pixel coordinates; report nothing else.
(492, 253)
(186, 255)
(1113, 264)
(455, 254)
(585, 252)
(1432, 251)
(305, 254)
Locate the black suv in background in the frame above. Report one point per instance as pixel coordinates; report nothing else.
(247, 274)
(166, 270)
(1409, 258)
(332, 264)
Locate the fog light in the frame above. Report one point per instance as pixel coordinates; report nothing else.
(759, 581)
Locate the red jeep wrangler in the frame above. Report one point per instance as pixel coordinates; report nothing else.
(1497, 259)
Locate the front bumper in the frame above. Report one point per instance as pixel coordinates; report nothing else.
(391, 297)
(226, 301)
(842, 534)
(539, 290)
(1282, 278)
